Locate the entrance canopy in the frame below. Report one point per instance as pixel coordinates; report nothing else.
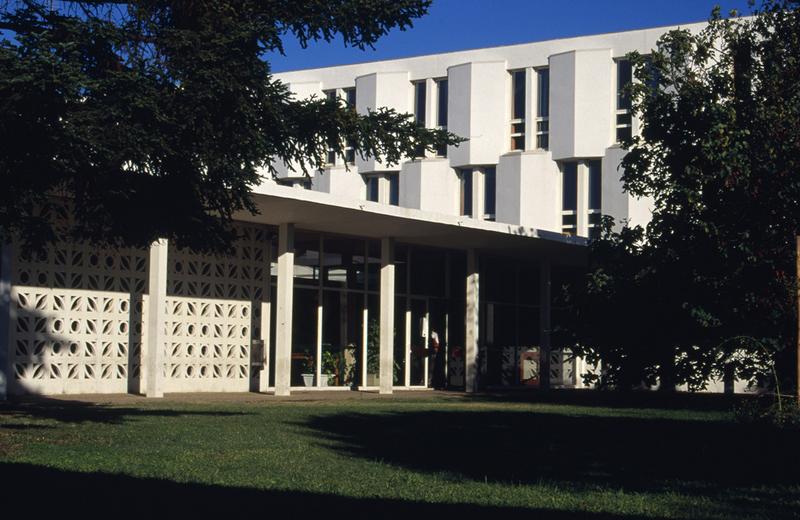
(323, 212)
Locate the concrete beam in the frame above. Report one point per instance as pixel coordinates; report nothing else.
(283, 315)
(387, 316)
(156, 317)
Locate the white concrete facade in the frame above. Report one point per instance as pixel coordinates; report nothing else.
(580, 123)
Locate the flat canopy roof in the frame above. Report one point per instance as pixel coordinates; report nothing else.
(323, 212)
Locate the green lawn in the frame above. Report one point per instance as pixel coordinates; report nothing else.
(369, 457)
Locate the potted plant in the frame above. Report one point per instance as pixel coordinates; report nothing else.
(308, 371)
(330, 367)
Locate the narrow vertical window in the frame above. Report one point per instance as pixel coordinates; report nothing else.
(569, 198)
(518, 110)
(489, 193)
(373, 189)
(623, 114)
(441, 115)
(595, 197)
(419, 111)
(394, 189)
(465, 177)
(349, 147)
(330, 95)
(543, 109)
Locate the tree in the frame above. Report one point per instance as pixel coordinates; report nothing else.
(708, 287)
(156, 118)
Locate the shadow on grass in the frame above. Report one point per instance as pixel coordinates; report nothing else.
(612, 399)
(111, 494)
(704, 458)
(65, 411)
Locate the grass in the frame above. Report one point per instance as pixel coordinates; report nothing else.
(573, 457)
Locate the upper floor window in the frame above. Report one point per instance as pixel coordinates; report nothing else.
(569, 199)
(420, 100)
(384, 188)
(543, 109)
(595, 197)
(394, 189)
(623, 114)
(350, 97)
(489, 193)
(373, 188)
(518, 110)
(441, 112)
(330, 159)
(586, 209)
(465, 181)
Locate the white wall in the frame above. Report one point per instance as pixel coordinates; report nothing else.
(529, 186)
(581, 103)
(300, 90)
(430, 185)
(477, 101)
(376, 90)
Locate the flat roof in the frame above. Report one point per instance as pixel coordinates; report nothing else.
(323, 212)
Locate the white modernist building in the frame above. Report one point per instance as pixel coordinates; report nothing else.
(352, 278)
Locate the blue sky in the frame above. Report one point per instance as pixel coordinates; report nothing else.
(466, 24)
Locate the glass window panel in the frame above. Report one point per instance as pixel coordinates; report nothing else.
(489, 191)
(466, 192)
(518, 91)
(543, 92)
(419, 102)
(569, 220)
(624, 77)
(528, 283)
(623, 134)
(394, 189)
(427, 271)
(569, 187)
(518, 142)
(400, 269)
(343, 263)
(373, 340)
(543, 142)
(373, 189)
(304, 333)
(595, 184)
(350, 95)
(306, 258)
(441, 119)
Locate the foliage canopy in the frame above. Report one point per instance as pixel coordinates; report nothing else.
(156, 118)
(708, 287)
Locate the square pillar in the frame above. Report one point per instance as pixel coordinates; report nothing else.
(5, 320)
(266, 319)
(582, 227)
(545, 327)
(387, 316)
(156, 317)
(283, 314)
(472, 324)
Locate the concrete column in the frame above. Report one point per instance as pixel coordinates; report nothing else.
(283, 311)
(266, 319)
(6, 310)
(545, 303)
(583, 199)
(156, 317)
(530, 109)
(387, 316)
(472, 324)
(477, 194)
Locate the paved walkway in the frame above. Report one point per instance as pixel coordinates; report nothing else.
(248, 397)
